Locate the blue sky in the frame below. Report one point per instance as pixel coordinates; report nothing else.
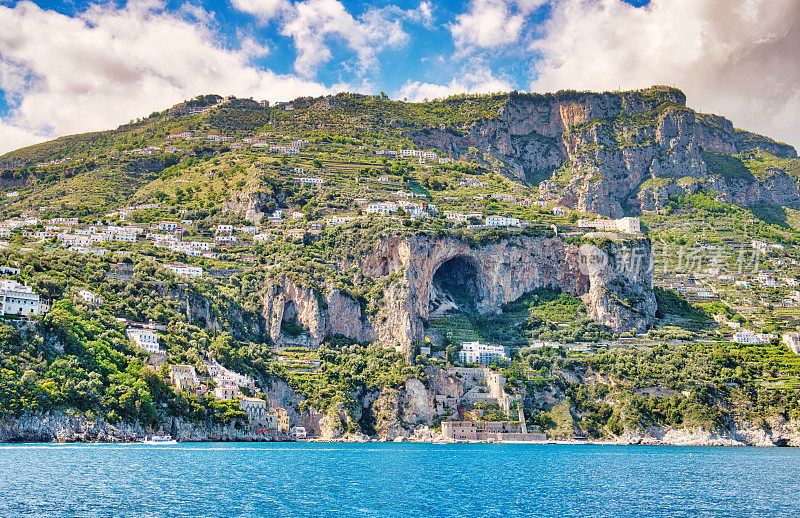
(76, 66)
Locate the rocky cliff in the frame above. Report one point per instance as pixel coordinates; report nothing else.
(593, 151)
(391, 413)
(320, 313)
(614, 279)
(65, 427)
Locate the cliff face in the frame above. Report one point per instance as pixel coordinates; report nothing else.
(620, 292)
(615, 282)
(592, 151)
(321, 314)
(63, 427)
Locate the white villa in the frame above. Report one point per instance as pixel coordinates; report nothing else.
(185, 270)
(483, 354)
(145, 338)
(18, 299)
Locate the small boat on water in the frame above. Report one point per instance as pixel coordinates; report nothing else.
(159, 439)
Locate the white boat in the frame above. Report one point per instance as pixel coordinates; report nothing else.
(160, 439)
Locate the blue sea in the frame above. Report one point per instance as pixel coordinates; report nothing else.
(377, 479)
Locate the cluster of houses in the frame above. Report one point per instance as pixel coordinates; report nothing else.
(228, 385)
(266, 418)
(59, 161)
(413, 209)
(165, 234)
(767, 248)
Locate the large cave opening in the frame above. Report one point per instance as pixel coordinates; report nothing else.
(457, 286)
(289, 323)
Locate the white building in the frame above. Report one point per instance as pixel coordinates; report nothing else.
(145, 338)
(203, 246)
(90, 298)
(748, 337)
(168, 226)
(626, 225)
(338, 220)
(263, 238)
(185, 270)
(384, 208)
(283, 149)
(18, 299)
(128, 237)
(255, 408)
(501, 221)
(484, 354)
(223, 240)
(310, 181)
(298, 432)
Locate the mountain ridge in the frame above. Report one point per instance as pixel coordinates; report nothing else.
(593, 152)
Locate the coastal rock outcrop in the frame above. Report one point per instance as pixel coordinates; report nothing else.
(66, 427)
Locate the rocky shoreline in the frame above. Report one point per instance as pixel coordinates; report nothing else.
(67, 428)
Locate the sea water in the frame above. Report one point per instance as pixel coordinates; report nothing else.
(388, 479)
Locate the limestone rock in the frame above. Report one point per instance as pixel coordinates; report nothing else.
(619, 294)
(594, 150)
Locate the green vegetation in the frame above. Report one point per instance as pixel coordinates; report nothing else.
(671, 303)
(730, 167)
(698, 384)
(541, 315)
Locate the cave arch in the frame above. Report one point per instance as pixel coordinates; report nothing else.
(457, 283)
(289, 311)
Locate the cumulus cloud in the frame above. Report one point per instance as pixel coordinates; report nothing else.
(314, 24)
(478, 79)
(264, 10)
(491, 23)
(106, 65)
(737, 58)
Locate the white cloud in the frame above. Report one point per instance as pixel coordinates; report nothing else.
(737, 58)
(492, 23)
(477, 80)
(14, 137)
(424, 13)
(312, 23)
(106, 65)
(264, 10)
